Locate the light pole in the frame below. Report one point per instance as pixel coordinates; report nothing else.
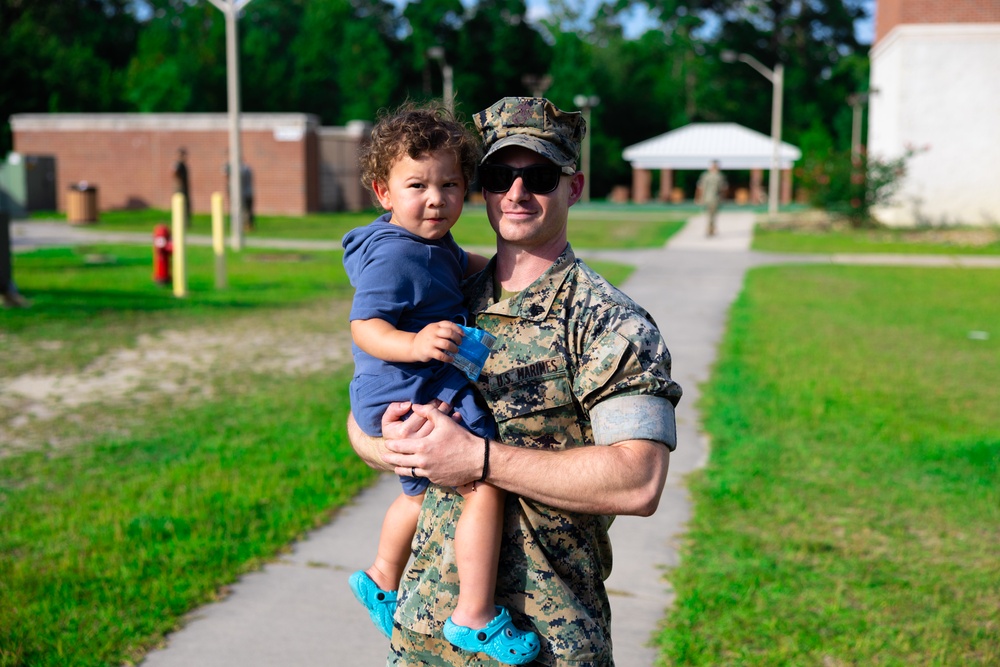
(857, 100)
(777, 79)
(586, 103)
(231, 10)
(437, 53)
(537, 83)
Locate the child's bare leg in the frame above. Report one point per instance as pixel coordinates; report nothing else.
(398, 527)
(477, 552)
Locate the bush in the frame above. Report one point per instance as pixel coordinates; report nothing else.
(852, 186)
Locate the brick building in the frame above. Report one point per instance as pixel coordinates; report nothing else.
(129, 158)
(935, 88)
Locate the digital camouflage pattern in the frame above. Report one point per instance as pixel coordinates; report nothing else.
(711, 184)
(534, 123)
(565, 344)
(410, 649)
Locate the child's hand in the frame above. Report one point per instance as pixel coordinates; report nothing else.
(437, 341)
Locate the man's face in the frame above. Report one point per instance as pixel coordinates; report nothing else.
(525, 219)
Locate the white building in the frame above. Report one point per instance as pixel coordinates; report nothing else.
(935, 81)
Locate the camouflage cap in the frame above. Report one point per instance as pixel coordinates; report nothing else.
(534, 123)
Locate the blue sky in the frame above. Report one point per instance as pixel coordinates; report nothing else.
(640, 20)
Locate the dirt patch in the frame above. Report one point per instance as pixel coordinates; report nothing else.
(808, 221)
(180, 364)
(960, 237)
(814, 221)
(279, 257)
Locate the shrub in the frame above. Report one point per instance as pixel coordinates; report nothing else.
(852, 186)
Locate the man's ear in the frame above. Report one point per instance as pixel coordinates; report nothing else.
(576, 182)
(382, 194)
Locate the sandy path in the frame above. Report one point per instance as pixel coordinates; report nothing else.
(44, 409)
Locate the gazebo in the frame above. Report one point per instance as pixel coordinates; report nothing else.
(695, 146)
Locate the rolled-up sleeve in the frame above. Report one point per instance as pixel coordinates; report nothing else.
(625, 380)
(634, 417)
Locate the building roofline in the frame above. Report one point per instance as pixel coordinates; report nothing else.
(354, 129)
(902, 30)
(183, 122)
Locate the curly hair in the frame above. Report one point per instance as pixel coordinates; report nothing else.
(415, 130)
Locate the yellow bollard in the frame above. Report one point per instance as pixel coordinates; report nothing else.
(218, 240)
(180, 277)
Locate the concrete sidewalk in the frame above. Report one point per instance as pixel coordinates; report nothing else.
(25, 235)
(299, 610)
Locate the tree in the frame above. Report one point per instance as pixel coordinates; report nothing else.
(313, 87)
(368, 73)
(431, 23)
(63, 55)
(345, 59)
(811, 39)
(853, 185)
(497, 48)
(180, 63)
(647, 85)
(266, 29)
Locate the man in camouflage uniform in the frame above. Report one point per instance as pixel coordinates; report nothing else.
(579, 382)
(711, 185)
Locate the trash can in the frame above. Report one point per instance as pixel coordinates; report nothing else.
(81, 203)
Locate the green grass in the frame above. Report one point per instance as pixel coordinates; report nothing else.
(850, 511)
(589, 227)
(625, 227)
(926, 241)
(106, 546)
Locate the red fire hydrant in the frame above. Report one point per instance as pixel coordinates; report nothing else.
(163, 250)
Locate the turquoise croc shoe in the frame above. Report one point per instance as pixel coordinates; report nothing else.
(381, 605)
(499, 639)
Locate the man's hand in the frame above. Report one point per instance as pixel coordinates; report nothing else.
(395, 424)
(433, 444)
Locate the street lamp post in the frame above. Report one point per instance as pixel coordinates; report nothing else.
(537, 83)
(586, 103)
(857, 100)
(437, 53)
(231, 10)
(777, 79)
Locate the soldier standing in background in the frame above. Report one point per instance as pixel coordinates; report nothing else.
(181, 184)
(246, 193)
(711, 185)
(246, 190)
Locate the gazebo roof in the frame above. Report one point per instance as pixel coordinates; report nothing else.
(696, 145)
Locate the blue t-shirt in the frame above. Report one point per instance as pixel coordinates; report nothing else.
(409, 282)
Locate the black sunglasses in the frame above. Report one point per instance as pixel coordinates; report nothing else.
(539, 179)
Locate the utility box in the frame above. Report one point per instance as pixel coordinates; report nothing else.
(81, 203)
(27, 183)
